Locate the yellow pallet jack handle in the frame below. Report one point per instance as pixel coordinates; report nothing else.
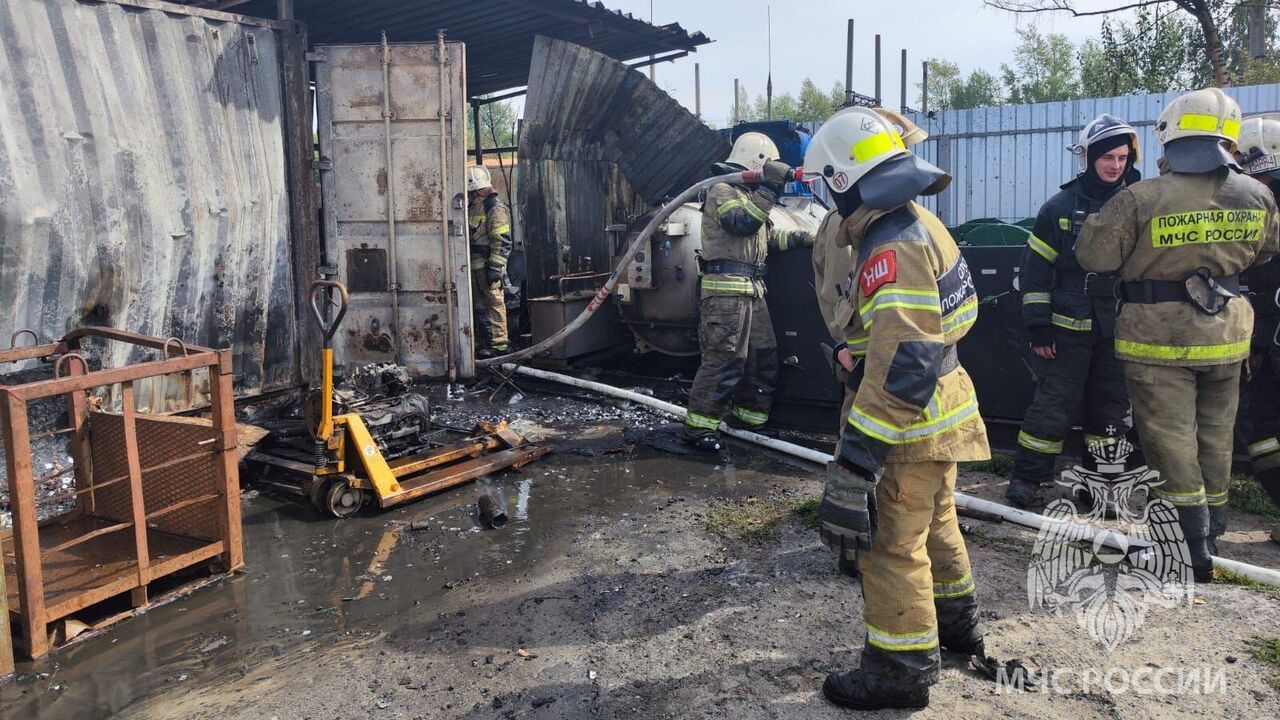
(322, 294)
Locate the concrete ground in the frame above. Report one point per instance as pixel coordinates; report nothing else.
(632, 582)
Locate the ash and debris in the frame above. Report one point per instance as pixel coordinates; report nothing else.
(51, 463)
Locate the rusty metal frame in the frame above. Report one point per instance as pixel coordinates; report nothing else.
(29, 552)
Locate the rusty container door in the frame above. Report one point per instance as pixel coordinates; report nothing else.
(395, 202)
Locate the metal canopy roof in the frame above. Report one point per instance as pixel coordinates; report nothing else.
(498, 33)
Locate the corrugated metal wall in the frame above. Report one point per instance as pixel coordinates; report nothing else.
(600, 143)
(1007, 161)
(142, 181)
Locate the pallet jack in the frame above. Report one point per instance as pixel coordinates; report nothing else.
(387, 451)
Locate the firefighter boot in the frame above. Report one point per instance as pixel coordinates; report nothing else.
(900, 682)
(1194, 520)
(1024, 494)
(1217, 526)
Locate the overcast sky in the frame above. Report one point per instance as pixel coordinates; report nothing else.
(809, 41)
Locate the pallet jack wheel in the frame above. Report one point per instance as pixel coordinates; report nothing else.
(340, 499)
(316, 492)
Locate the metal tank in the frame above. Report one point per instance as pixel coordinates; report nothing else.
(658, 296)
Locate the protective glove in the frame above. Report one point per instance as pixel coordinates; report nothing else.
(775, 174)
(847, 515)
(492, 274)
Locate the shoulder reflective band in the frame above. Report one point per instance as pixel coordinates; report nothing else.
(915, 432)
(876, 145)
(1209, 123)
(1069, 323)
(957, 588)
(1035, 298)
(730, 205)
(902, 642)
(1064, 223)
(1151, 351)
(1207, 226)
(1042, 249)
(736, 286)
(1040, 445)
(926, 300)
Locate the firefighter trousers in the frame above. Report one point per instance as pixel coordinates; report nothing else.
(1185, 418)
(917, 584)
(739, 364)
(1084, 380)
(489, 309)
(1259, 420)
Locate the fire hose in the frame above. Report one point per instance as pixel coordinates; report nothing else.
(746, 176)
(1107, 536)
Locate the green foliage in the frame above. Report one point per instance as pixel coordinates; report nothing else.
(756, 520)
(1223, 576)
(1247, 495)
(1267, 652)
(1153, 53)
(999, 464)
(497, 125)
(949, 90)
(1044, 69)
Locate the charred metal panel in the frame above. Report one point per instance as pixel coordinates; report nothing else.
(142, 182)
(431, 252)
(600, 144)
(367, 270)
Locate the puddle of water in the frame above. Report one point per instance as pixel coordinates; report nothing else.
(315, 585)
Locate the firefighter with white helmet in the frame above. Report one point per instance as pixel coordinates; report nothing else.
(490, 224)
(1179, 243)
(739, 368)
(1259, 154)
(888, 501)
(1069, 315)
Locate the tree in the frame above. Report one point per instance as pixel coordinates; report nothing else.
(1151, 54)
(1207, 16)
(785, 107)
(980, 89)
(497, 125)
(815, 104)
(1044, 69)
(949, 91)
(943, 77)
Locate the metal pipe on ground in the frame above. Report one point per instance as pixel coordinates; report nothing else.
(1020, 517)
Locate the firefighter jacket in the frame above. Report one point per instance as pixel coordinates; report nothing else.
(913, 299)
(490, 224)
(1056, 291)
(832, 276)
(1264, 293)
(1167, 229)
(736, 227)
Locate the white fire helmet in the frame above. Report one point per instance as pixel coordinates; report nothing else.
(1101, 128)
(478, 178)
(1203, 113)
(752, 150)
(849, 145)
(1259, 146)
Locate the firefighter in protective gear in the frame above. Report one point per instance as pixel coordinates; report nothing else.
(1179, 243)
(1259, 155)
(831, 272)
(490, 224)
(739, 351)
(888, 500)
(1069, 315)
